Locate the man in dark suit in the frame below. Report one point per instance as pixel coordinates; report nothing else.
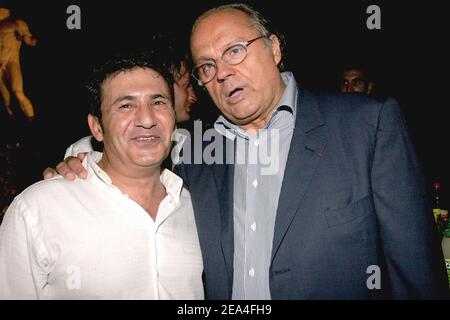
(350, 202)
(341, 213)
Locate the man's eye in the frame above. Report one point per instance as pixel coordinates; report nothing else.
(236, 50)
(125, 106)
(159, 102)
(207, 67)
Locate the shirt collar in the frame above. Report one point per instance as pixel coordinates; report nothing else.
(94, 170)
(173, 184)
(170, 180)
(289, 97)
(288, 102)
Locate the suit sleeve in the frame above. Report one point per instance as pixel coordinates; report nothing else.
(411, 244)
(178, 157)
(180, 171)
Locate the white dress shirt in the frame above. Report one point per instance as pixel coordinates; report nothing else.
(85, 239)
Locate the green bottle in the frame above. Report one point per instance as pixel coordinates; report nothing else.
(446, 250)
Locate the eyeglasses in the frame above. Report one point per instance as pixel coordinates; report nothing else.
(233, 55)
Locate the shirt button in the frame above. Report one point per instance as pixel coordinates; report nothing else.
(255, 183)
(253, 226)
(252, 272)
(257, 142)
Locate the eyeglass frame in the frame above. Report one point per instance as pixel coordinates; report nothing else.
(244, 44)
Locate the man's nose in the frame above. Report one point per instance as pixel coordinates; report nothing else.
(192, 97)
(145, 116)
(347, 88)
(224, 70)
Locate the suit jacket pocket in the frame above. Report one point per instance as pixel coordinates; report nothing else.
(362, 207)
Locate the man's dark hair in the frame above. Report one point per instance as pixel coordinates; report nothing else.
(122, 63)
(175, 49)
(363, 67)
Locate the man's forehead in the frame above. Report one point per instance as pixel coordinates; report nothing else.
(121, 76)
(136, 79)
(226, 21)
(353, 73)
(218, 30)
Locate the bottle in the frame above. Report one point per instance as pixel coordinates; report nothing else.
(446, 250)
(444, 215)
(436, 204)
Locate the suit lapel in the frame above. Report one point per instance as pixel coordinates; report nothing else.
(307, 145)
(224, 177)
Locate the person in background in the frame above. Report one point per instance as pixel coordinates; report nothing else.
(356, 78)
(176, 58)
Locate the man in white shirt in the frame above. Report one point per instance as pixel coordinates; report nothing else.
(128, 230)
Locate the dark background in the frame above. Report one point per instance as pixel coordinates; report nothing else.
(408, 55)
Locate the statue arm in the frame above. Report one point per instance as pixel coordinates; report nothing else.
(25, 34)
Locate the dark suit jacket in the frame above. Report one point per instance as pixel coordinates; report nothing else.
(352, 197)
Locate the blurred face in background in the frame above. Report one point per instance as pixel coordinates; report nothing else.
(184, 93)
(354, 80)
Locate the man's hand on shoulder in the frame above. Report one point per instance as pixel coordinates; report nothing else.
(70, 168)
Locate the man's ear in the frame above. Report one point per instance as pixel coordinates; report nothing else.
(276, 48)
(96, 127)
(370, 86)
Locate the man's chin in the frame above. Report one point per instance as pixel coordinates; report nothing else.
(148, 160)
(148, 163)
(243, 119)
